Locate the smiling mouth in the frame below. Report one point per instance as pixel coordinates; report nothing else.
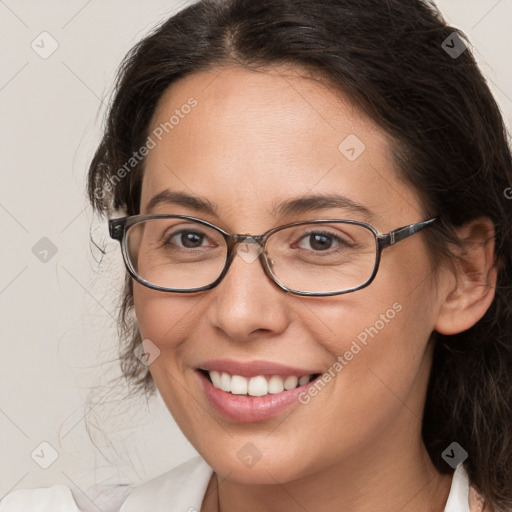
(260, 385)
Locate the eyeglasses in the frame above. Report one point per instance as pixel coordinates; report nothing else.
(178, 253)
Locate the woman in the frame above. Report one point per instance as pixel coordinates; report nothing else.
(311, 200)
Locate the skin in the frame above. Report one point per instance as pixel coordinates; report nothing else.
(254, 139)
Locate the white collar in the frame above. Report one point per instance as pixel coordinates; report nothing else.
(183, 489)
(458, 499)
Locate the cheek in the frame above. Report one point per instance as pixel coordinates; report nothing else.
(377, 339)
(167, 320)
(386, 316)
(164, 318)
(378, 365)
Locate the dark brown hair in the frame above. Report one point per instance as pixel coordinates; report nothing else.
(450, 145)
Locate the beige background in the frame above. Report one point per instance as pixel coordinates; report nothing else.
(57, 317)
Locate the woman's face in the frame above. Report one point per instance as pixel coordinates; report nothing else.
(253, 141)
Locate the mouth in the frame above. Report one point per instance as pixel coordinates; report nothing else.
(258, 385)
(253, 391)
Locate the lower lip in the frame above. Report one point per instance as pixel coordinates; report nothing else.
(250, 409)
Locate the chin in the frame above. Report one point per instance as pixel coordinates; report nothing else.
(241, 462)
(261, 473)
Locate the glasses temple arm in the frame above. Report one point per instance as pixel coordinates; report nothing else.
(400, 234)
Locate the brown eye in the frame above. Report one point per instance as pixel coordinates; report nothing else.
(186, 239)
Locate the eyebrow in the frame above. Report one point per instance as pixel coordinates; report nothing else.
(318, 202)
(182, 199)
(296, 206)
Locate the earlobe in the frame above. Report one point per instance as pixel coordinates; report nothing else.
(475, 275)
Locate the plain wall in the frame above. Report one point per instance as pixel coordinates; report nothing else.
(58, 316)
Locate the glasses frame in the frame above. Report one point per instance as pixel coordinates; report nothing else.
(119, 227)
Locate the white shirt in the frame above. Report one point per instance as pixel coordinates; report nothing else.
(181, 489)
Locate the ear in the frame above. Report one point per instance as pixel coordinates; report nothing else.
(473, 278)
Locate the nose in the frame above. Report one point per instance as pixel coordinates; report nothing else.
(247, 304)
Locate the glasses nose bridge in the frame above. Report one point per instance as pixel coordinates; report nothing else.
(235, 239)
(240, 238)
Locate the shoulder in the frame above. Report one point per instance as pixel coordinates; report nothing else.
(181, 488)
(57, 498)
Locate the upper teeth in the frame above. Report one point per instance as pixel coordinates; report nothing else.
(255, 386)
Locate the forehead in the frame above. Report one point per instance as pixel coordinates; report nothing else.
(254, 138)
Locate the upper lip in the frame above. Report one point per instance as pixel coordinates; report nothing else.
(253, 368)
